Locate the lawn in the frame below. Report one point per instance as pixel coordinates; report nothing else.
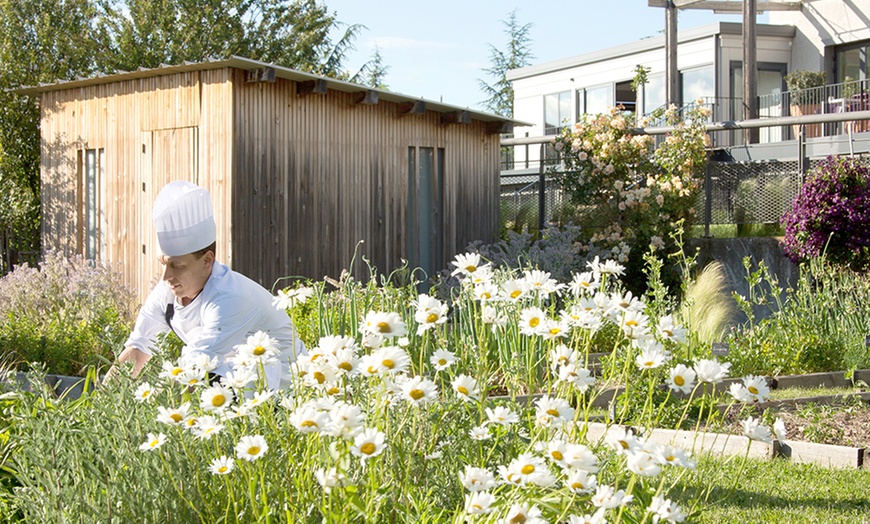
(781, 491)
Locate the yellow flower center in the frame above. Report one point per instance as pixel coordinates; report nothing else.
(668, 332)
(534, 322)
(624, 444)
(259, 351)
(442, 361)
(222, 469)
(649, 364)
(253, 450)
(416, 394)
(389, 364)
(577, 485)
(383, 327)
(753, 390)
(368, 448)
(553, 412)
(462, 389)
(528, 469)
(470, 268)
(372, 370)
(345, 366)
(333, 391)
(175, 417)
(631, 323)
(431, 318)
(309, 424)
(555, 331)
(556, 454)
(155, 443)
(218, 400)
(176, 371)
(515, 293)
(319, 377)
(678, 380)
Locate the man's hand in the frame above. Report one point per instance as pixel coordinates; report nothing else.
(138, 357)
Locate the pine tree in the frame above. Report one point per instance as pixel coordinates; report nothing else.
(500, 94)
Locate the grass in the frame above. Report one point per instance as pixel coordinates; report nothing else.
(737, 230)
(780, 491)
(790, 393)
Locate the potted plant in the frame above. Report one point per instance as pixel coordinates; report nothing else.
(805, 96)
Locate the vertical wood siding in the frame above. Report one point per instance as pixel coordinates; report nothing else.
(296, 181)
(315, 174)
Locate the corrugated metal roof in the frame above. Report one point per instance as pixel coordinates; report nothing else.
(248, 64)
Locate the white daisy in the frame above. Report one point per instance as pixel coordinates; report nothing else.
(153, 442)
(251, 447)
(466, 388)
(145, 392)
(368, 444)
(222, 465)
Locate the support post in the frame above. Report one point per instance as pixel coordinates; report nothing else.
(672, 74)
(542, 201)
(750, 70)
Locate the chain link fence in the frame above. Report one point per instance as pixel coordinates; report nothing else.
(733, 193)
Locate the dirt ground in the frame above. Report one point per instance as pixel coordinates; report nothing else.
(844, 424)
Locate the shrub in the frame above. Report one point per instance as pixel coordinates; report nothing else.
(831, 214)
(68, 313)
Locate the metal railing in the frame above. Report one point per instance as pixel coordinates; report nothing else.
(734, 192)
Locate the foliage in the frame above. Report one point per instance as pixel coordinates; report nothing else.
(819, 325)
(831, 215)
(393, 416)
(630, 197)
(68, 314)
(294, 34)
(802, 85)
(43, 41)
(500, 94)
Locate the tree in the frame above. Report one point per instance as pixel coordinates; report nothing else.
(40, 41)
(375, 71)
(500, 94)
(294, 34)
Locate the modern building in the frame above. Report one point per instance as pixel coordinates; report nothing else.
(825, 35)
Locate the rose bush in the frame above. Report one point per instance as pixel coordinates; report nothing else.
(629, 196)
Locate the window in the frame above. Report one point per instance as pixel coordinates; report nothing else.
(580, 105)
(698, 83)
(557, 112)
(91, 168)
(654, 94)
(625, 96)
(598, 99)
(851, 62)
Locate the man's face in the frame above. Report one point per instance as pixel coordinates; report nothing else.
(187, 274)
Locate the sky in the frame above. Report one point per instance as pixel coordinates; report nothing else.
(437, 49)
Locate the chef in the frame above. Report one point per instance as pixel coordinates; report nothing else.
(210, 307)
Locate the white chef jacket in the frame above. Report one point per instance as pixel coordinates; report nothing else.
(229, 308)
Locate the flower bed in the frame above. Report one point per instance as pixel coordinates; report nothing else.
(391, 417)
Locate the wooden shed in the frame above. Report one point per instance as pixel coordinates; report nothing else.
(301, 168)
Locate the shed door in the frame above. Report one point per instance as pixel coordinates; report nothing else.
(167, 155)
(425, 208)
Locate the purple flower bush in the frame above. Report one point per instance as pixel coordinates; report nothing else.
(69, 313)
(831, 215)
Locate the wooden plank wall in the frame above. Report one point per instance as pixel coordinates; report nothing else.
(316, 173)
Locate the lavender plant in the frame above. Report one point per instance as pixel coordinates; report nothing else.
(831, 215)
(68, 313)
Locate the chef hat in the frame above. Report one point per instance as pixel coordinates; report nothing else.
(183, 218)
